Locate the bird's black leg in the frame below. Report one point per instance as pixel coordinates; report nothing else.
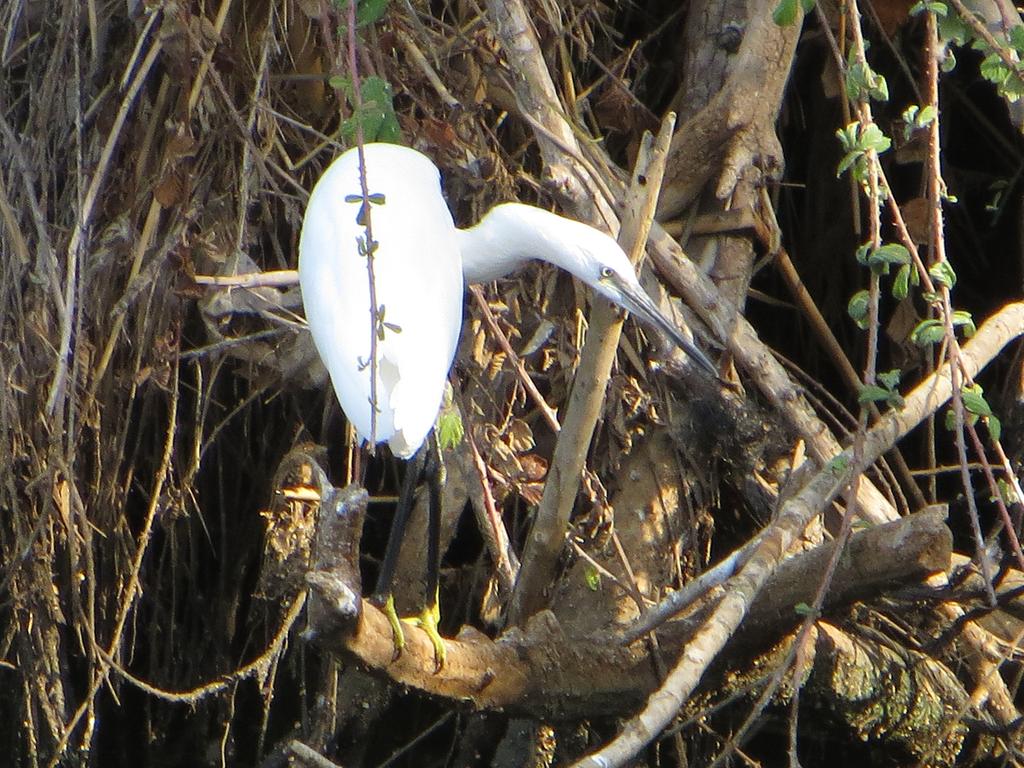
(431, 615)
(435, 478)
(426, 462)
(384, 593)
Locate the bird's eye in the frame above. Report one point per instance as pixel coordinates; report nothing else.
(606, 272)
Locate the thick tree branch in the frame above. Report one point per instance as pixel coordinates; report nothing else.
(794, 516)
(542, 672)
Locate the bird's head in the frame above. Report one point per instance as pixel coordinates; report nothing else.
(511, 233)
(604, 266)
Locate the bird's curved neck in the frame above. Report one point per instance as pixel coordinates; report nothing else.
(511, 234)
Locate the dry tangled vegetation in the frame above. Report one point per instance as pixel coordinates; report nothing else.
(170, 596)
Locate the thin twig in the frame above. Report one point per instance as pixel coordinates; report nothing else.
(979, 29)
(427, 69)
(279, 278)
(549, 413)
(936, 187)
(493, 529)
(310, 756)
(370, 244)
(82, 223)
(257, 666)
(133, 583)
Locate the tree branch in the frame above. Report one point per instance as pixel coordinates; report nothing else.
(794, 516)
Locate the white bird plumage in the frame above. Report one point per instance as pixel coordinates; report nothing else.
(420, 265)
(418, 282)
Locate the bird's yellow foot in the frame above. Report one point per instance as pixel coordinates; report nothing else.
(396, 626)
(428, 620)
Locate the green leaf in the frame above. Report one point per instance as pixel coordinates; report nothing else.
(1006, 491)
(942, 273)
(873, 138)
(994, 70)
(863, 253)
(890, 253)
(857, 307)
(939, 9)
(974, 401)
(848, 159)
(450, 429)
(786, 12)
(969, 418)
(376, 116)
(927, 116)
(879, 88)
(838, 465)
(862, 82)
(367, 11)
(890, 379)
(901, 283)
(909, 119)
(808, 5)
(948, 63)
(1013, 88)
(995, 427)
(928, 332)
(592, 577)
(856, 79)
(871, 393)
(379, 110)
(963, 319)
(848, 136)
(803, 609)
(370, 11)
(857, 140)
(953, 29)
(1016, 38)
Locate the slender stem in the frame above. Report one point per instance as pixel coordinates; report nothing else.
(549, 414)
(370, 245)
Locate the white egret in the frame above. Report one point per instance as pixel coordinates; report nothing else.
(388, 357)
(419, 261)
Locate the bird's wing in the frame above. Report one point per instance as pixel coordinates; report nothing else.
(418, 286)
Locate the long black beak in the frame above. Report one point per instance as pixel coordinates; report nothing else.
(640, 304)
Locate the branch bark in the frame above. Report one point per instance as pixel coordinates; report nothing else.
(794, 516)
(542, 672)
